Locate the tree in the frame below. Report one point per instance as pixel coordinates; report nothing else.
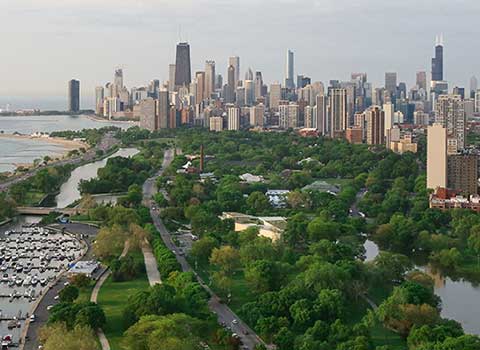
(110, 242)
(223, 284)
(264, 275)
(474, 241)
(202, 249)
(80, 280)
(258, 202)
(226, 258)
(392, 267)
(170, 332)
(68, 294)
(57, 337)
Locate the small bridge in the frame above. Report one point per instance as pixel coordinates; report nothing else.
(46, 211)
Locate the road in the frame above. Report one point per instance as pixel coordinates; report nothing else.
(225, 315)
(107, 142)
(354, 211)
(41, 313)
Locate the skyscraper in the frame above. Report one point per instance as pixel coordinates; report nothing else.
(235, 62)
(99, 96)
(389, 110)
(275, 95)
(73, 96)
(209, 78)
(233, 118)
(450, 113)
(163, 108)
(375, 126)
(230, 87)
(320, 116)
(436, 156)
(437, 61)
(118, 78)
(258, 85)
(249, 74)
(337, 108)
(422, 80)
(289, 71)
(249, 92)
(391, 83)
(171, 77)
(200, 95)
(183, 75)
(473, 86)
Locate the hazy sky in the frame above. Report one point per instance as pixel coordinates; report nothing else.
(44, 43)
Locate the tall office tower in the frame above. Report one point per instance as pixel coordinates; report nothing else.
(473, 86)
(249, 92)
(459, 91)
(450, 112)
(209, 78)
(337, 109)
(240, 96)
(289, 115)
(422, 80)
(389, 110)
(258, 85)
(231, 86)
(436, 156)
(437, 61)
(163, 109)
(308, 117)
(289, 71)
(377, 96)
(118, 78)
(200, 96)
(391, 83)
(320, 115)
(183, 75)
(233, 114)
(477, 101)
(462, 173)
(235, 62)
(275, 95)
(99, 96)
(375, 126)
(218, 82)
(249, 74)
(73, 96)
(148, 118)
(257, 114)
(171, 77)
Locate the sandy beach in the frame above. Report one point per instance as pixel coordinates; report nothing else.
(64, 147)
(67, 144)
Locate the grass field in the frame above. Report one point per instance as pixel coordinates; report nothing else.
(112, 298)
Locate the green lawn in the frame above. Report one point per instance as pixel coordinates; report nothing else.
(85, 293)
(112, 298)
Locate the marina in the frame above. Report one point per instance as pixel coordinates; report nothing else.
(31, 260)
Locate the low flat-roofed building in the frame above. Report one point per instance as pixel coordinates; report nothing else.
(87, 268)
(268, 226)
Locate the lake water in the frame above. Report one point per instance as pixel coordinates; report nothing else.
(460, 299)
(69, 192)
(21, 151)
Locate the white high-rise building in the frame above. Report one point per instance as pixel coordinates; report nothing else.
(233, 118)
(289, 115)
(389, 110)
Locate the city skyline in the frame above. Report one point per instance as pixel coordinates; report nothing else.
(325, 60)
